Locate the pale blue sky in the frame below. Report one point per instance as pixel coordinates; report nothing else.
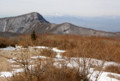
(89, 8)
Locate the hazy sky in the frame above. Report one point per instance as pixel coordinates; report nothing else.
(89, 8)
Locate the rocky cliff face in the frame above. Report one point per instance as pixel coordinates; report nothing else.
(21, 23)
(34, 21)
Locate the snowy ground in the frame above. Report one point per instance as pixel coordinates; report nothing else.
(72, 63)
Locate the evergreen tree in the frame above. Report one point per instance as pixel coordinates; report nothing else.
(33, 35)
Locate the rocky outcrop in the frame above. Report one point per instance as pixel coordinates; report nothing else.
(34, 21)
(21, 24)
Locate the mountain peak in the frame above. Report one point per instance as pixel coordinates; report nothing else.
(28, 17)
(21, 23)
(34, 21)
(36, 16)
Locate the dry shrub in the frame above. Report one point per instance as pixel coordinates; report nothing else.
(50, 74)
(76, 46)
(99, 48)
(48, 40)
(50, 70)
(4, 42)
(113, 69)
(48, 53)
(46, 71)
(25, 41)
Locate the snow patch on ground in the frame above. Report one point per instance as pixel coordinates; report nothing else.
(57, 50)
(36, 57)
(6, 74)
(8, 48)
(11, 61)
(10, 74)
(71, 63)
(39, 47)
(104, 77)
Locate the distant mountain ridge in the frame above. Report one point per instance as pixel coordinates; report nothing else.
(104, 23)
(25, 24)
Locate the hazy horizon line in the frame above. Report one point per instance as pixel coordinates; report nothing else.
(44, 15)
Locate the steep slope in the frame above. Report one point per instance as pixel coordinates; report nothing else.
(21, 24)
(34, 21)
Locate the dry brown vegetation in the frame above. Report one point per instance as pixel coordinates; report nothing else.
(4, 64)
(6, 42)
(46, 70)
(76, 46)
(113, 69)
(48, 53)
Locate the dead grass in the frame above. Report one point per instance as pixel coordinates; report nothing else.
(3, 79)
(4, 64)
(50, 74)
(113, 69)
(49, 70)
(48, 53)
(76, 46)
(4, 42)
(6, 55)
(46, 71)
